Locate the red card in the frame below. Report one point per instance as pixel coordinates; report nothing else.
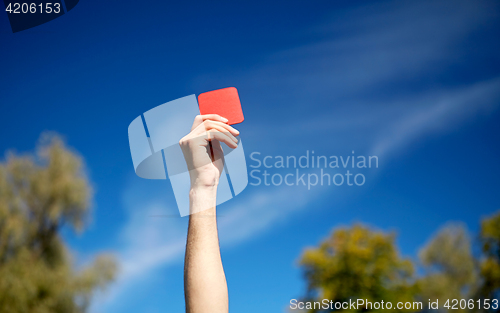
(224, 102)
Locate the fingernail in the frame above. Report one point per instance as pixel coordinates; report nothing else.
(224, 119)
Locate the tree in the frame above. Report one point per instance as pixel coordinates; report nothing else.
(450, 268)
(39, 194)
(490, 264)
(358, 263)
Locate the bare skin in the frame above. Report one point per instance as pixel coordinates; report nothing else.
(205, 284)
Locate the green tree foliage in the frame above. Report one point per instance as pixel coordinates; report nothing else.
(490, 265)
(358, 263)
(361, 263)
(451, 270)
(38, 195)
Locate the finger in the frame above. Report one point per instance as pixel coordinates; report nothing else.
(217, 127)
(210, 124)
(201, 118)
(222, 137)
(214, 117)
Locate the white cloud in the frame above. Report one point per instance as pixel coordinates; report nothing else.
(262, 210)
(438, 113)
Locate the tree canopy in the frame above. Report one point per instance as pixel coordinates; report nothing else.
(490, 264)
(359, 262)
(40, 194)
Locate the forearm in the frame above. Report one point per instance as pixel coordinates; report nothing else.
(204, 280)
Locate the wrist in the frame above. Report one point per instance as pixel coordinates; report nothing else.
(202, 198)
(201, 181)
(200, 189)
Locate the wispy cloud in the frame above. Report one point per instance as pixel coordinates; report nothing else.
(361, 49)
(265, 207)
(438, 113)
(149, 242)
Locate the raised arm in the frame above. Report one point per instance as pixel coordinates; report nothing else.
(205, 284)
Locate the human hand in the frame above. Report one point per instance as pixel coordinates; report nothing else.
(202, 149)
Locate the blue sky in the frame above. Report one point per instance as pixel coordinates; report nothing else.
(416, 83)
